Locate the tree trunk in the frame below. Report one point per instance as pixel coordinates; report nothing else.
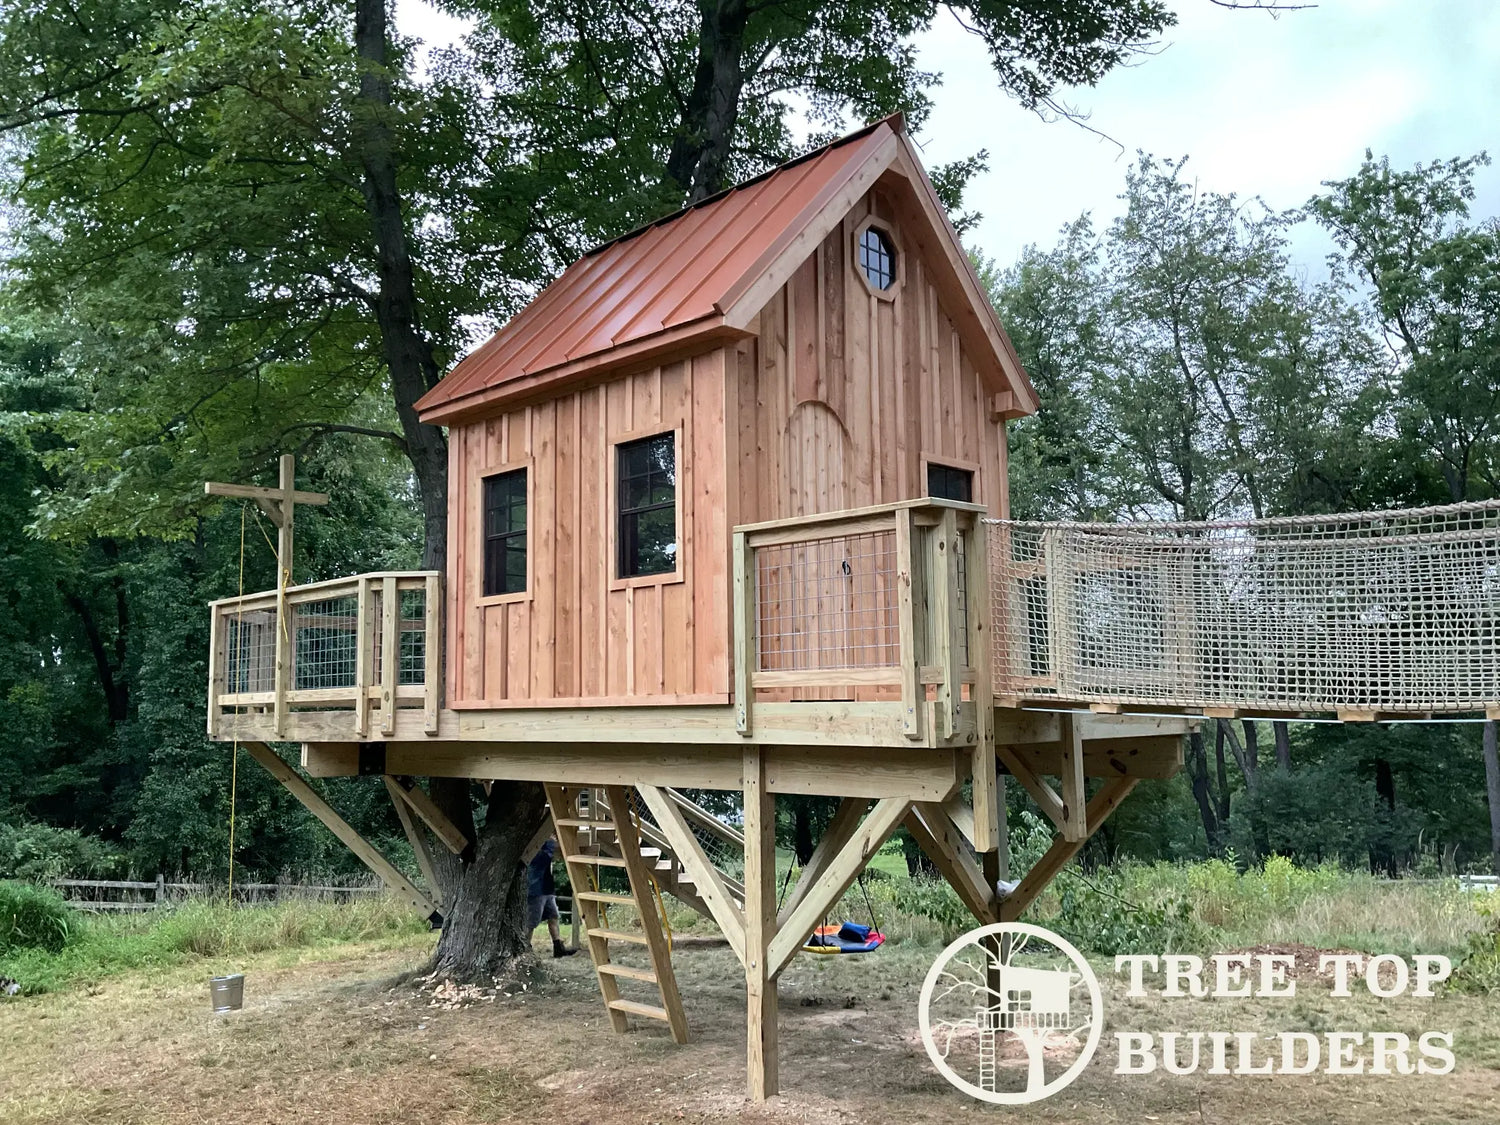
(1252, 746)
(1198, 770)
(408, 352)
(802, 833)
(1384, 858)
(1283, 745)
(484, 890)
(699, 160)
(1492, 787)
(1223, 772)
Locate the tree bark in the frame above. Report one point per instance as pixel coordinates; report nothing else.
(1223, 771)
(1252, 746)
(407, 350)
(1492, 787)
(484, 890)
(699, 160)
(1283, 745)
(802, 833)
(1384, 858)
(1198, 769)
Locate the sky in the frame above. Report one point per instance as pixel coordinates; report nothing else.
(1263, 106)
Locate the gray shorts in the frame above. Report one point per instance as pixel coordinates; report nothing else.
(540, 909)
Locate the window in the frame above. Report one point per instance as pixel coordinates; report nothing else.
(877, 257)
(647, 475)
(1019, 1000)
(505, 533)
(944, 482)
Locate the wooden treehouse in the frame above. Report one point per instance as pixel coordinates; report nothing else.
(728, 511)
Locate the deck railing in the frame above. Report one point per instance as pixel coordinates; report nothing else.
(369, 644)
(867, 603)
(1356, 614)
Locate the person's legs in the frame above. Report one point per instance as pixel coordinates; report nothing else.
(549, 912)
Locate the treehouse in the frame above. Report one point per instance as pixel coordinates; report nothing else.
(728, 511)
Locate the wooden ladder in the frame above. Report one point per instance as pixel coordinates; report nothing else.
(578, 831)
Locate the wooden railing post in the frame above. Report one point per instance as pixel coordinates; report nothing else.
(390, 652)
(942, 578)
(432, 654)
(217, 654)
(906, 626)
(364, 655)
(745, 613)
(282, 668)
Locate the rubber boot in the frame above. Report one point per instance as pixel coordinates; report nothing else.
(561, 950)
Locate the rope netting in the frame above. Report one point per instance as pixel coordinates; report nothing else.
(1375, 611)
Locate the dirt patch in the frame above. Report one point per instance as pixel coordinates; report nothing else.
(1305, 959)
(342, 1041)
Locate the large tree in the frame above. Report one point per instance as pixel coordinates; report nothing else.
(249, 226)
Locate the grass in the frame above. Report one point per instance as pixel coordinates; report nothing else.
(200, 931)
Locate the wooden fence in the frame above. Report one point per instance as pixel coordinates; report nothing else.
(128, 895)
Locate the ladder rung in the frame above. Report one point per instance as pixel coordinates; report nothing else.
(649, 1011)
(596, 860)
(617, 935)
(580, 822)
(609, 968)
(604, 896)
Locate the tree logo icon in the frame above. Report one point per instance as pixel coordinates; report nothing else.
(1011, 1013)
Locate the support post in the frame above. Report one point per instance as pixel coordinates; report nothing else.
(942, 585)
(1075, 821)
(284, 544)
(432, 654)
(364, 656)
(977, 600)
(760, 927)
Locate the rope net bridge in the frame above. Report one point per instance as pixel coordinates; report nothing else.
(1368, 613)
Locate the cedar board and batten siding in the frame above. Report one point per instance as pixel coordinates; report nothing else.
(890, 382)
(836, 402)
(578, 635)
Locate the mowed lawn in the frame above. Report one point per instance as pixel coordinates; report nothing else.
(327, 1035)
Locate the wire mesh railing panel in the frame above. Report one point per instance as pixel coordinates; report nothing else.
(325, 643)
(411, 635)
(725, 853)
(1384, 611)
(250, 651)
(828, 604)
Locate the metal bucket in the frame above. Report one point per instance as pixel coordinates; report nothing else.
(227, 993)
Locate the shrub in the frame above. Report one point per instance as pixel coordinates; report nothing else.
(33, 917)
(40, 851)
(1479, 971)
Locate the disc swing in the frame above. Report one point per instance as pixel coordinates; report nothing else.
(849, 936)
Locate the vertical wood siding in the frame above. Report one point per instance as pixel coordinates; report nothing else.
(571, 637)
(842, 394)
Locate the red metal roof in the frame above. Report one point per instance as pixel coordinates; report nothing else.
(661, 285)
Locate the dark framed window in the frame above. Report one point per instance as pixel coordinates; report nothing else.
(646, 471)
(505, 533)
(944, 482)
(877, 257)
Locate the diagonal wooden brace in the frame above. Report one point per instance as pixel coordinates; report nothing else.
(340, 828)
(432, 816)
(837, 878)
(942, 840)
(1055, 858)
(706, 878)
(844, 824)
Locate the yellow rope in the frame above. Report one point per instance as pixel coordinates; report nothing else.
(234, 759)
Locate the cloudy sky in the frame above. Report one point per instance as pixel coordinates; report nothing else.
(1262, 106)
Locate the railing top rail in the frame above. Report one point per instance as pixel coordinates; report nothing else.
(847, 514)
(330, 584)
(1378, 520)
(711, 823)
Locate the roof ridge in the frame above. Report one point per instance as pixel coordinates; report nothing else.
(896, 120)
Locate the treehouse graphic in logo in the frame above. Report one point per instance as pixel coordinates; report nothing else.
(1010, 1013)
